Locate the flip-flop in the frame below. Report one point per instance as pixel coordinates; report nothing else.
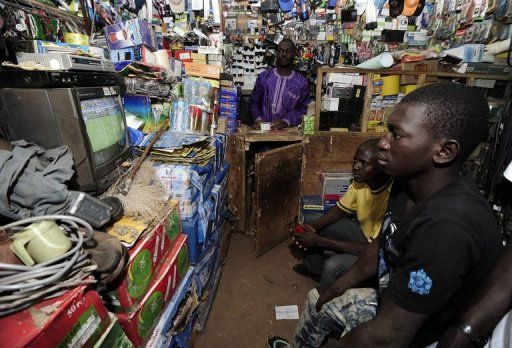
(277, 342)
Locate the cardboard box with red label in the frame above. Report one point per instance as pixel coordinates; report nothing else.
(183, 55)
(146, 257)
(76, 319)
(140, 323)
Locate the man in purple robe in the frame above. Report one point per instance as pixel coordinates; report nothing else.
(281, 95)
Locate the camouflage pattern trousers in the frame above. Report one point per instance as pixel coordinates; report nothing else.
(338, 316)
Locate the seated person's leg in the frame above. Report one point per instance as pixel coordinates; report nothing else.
(339, 315)
(313, 262)
(345, 229)
(335, 266)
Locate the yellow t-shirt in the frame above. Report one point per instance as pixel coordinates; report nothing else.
(369, 206)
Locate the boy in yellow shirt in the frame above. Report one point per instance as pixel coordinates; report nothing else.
(367, 198)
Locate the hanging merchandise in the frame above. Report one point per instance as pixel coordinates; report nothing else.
(303, 9)
(177, 6)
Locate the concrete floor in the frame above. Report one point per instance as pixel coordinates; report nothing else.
(243, 313)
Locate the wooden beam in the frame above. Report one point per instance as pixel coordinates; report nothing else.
(367, 102)
(412, 72)
(318, 98)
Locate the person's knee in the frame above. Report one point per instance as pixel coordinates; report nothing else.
(336, 266)
(340, 263)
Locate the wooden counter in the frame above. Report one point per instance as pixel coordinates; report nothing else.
(265, 185)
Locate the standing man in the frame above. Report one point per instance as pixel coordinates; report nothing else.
(439, 236)
(281, 95)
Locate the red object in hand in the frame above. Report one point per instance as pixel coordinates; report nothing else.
(298, 229)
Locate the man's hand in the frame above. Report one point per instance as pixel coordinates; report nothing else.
(307, 239)
(327, 293)
(257, 125)
(277, 125)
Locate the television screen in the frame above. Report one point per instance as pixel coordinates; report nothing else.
(104, 122)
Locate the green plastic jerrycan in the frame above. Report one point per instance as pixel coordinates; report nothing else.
(40, 242)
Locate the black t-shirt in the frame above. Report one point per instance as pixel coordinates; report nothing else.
(434, 256)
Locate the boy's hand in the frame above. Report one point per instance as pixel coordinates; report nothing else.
(307, 239)
(309, 227)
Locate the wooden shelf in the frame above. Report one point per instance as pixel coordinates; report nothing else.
(470, 81)
(313, 41)
(326, 70)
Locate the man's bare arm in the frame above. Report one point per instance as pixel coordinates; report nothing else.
(392, 327)
(364, 268)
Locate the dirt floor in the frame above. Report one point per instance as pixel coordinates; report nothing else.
(243, 313)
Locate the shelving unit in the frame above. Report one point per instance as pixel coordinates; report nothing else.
(469, 78)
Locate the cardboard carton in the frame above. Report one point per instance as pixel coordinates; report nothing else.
(139, 324)
(145, 258)
(421, 67)
(161, 336)
(130, 33)
(203, 70)
(114, 336)
(334, 185)
(77, 318)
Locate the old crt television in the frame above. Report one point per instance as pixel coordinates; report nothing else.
(89, 120)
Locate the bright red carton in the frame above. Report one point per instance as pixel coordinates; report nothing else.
(139, 324)
(146, 258)
(76, 319)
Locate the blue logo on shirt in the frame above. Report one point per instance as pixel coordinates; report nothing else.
(420, 282)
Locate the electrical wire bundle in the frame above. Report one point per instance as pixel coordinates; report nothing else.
(22, 286)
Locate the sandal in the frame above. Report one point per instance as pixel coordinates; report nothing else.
(277, 342)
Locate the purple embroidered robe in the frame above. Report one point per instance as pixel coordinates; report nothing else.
(277, 97)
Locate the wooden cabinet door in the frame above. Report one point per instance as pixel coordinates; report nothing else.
(236, 157)
(277, 191)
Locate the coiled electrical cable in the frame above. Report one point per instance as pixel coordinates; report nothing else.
(22, 286)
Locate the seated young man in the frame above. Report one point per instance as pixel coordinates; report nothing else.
(439, 237)
(367, 197)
